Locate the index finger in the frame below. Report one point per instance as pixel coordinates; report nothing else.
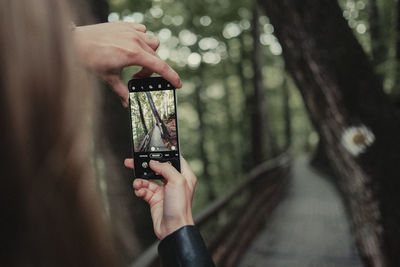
(166, 170)
(156, 65)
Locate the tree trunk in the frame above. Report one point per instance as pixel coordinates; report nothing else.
(257, 140)
(244, 124)
(398, 32)
(146, 131)
(164, 131)
(259, 119)
(377, 43)
(396, 90)
(286, 113)
(153, 108)
(341, 91)
(202, 133)
(231, 144)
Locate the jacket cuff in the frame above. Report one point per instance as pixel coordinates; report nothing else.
(184, 248)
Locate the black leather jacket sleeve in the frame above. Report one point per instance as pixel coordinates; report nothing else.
(184, 248)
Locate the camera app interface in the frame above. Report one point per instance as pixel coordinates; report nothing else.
(154, 128)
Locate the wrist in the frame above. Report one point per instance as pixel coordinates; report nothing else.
(83, 47)
(175, 224)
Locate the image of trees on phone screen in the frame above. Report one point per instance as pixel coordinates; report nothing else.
(154, 121)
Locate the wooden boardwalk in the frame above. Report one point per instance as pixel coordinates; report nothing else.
(309, 228)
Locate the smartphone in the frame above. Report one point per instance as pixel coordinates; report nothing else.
(154, 125)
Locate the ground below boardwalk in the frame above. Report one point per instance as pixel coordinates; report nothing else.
(309, 228)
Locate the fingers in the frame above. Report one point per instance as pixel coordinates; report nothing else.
(150, 40)
(145, 194)
(118, 85)
(155, 64)
(147, 48)
(129, 163)
(144, 72)
(146, 190)
(146, 184)
(120, 89)
(136, 26)
(150, 60)
(166, 170)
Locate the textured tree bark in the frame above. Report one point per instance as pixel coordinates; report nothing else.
(341, 91)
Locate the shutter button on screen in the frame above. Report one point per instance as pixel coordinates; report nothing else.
(156, 155)
(145, 165)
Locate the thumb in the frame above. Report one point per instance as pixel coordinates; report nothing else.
(166, 170)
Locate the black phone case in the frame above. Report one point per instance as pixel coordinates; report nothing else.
(141, 159)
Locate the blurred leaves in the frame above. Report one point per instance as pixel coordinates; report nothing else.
(209, 43)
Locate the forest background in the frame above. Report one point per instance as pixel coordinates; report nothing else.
(242, 96)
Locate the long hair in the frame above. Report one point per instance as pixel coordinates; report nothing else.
(49, 207)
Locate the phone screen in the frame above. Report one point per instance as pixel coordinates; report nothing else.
(154, 124)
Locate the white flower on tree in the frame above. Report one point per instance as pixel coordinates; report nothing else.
(356, 139)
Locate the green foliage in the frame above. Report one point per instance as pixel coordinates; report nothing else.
(209, 43)
(358, 15)
(164, 102)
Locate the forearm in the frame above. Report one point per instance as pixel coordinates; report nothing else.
(184, 247)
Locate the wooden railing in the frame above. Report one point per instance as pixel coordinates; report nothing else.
(230, 223)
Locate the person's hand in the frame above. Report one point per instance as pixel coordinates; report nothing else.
(109, 47)
(171, 203)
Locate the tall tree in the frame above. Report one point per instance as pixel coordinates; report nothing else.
(159, 122)
(244, 125)
(377, 42)
(141, 115)
(287, 113)
(202, 134)
(229, 142)
(259, 118)
(352, 115)
(397, 49)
